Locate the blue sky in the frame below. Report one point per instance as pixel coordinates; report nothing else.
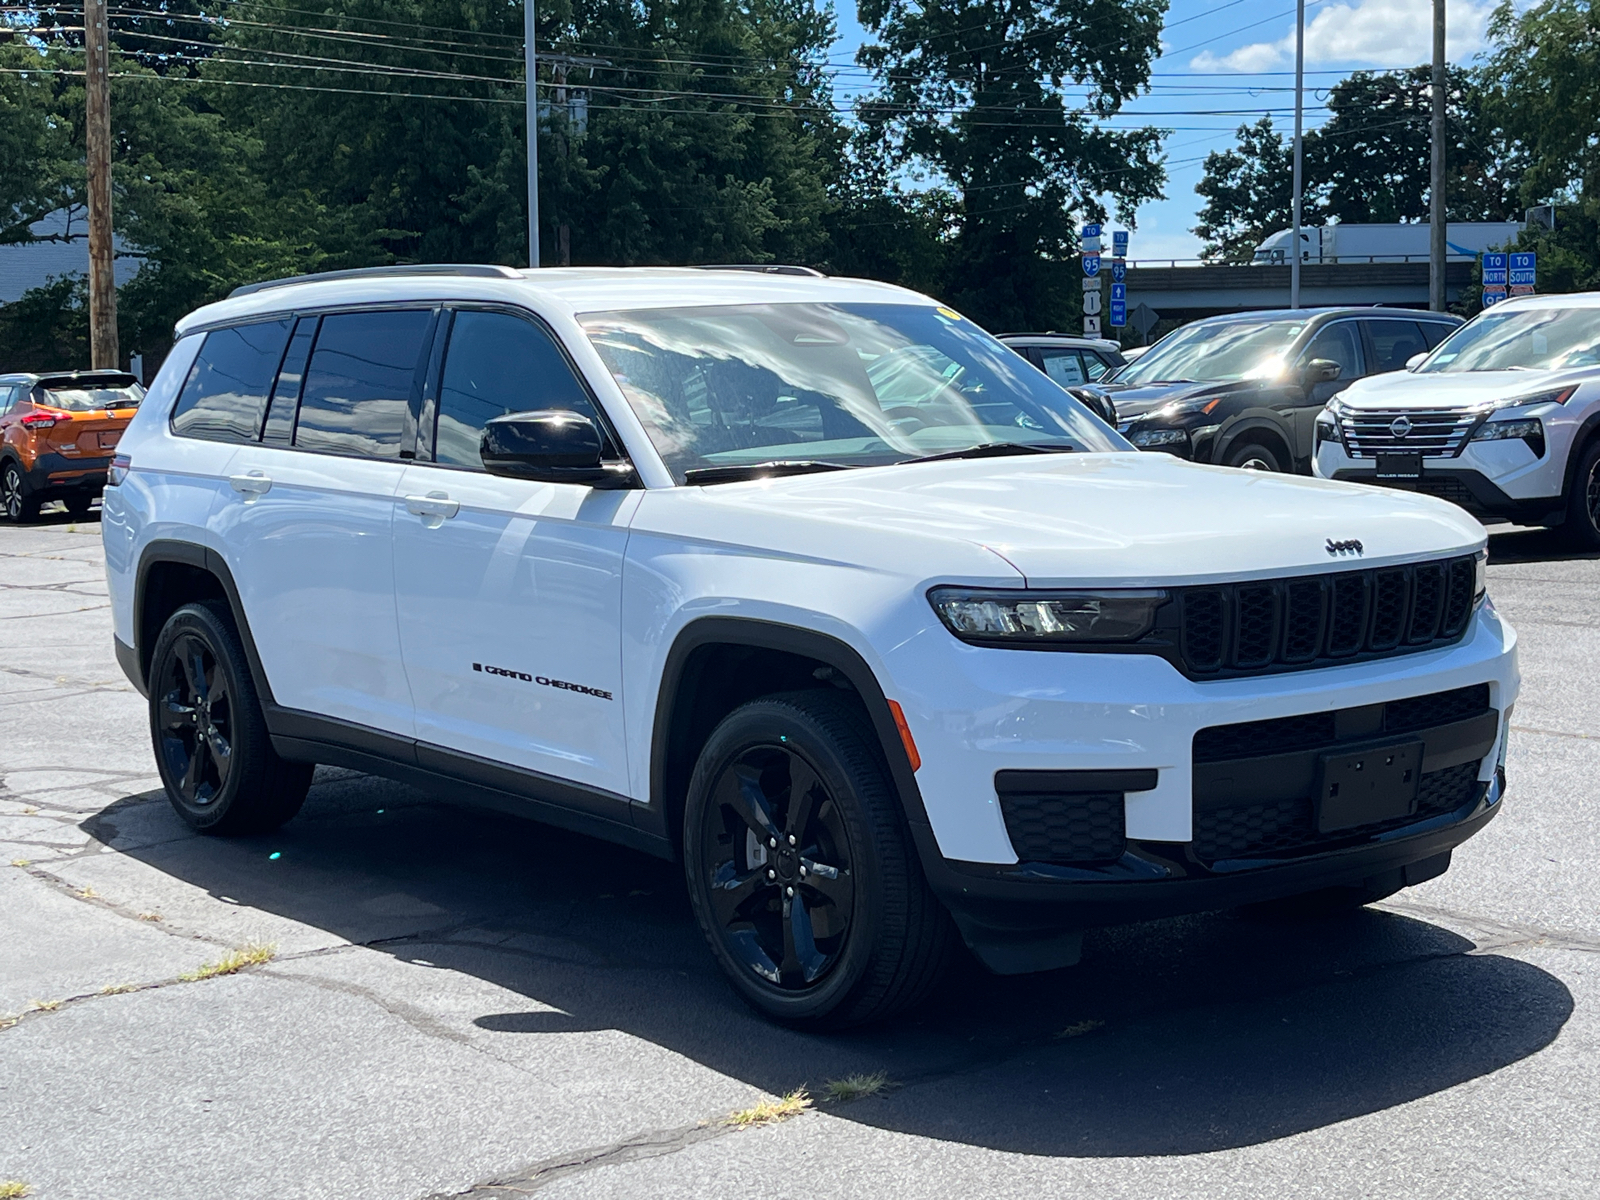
(1225, 62)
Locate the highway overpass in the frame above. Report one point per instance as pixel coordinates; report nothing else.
(1187, 292)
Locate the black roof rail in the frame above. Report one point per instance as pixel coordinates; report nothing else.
(471, 270)
(763, 269)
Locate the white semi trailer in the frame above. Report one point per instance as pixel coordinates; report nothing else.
(1354, 243)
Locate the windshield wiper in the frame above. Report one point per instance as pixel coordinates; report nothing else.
(780, 466)
(991, 450)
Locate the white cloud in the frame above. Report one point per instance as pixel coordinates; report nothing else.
(1372, 33)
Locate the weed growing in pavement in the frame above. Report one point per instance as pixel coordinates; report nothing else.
(22, 862)
(151, 917)
(45, 1005)
(117, 989)
(856, 1087)
(770, 1112)
(232, 961)
(14, 1189)
(87, 893)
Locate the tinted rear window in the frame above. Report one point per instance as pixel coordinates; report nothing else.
(1394, 343)
(359, 381)
(226, 392)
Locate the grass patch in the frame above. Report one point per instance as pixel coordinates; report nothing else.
(87, 893)
(151, 917)
(855, 1087)
(770, 1112)
(45, 1005)
(117, 989)
(22, 862)
(231, 962)
(14, 1189)
(1078, 1030)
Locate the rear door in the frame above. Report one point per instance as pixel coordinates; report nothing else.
(306, 523)
(1391, 343)
(509, 591)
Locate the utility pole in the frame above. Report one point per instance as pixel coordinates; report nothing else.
(530, 70)
(1436, 197)
(1299, 116)
(97, 144)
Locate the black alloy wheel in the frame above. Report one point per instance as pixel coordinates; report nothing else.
(778, 852)
(1583, 506)
(196, 721)
(800, 867)
(212, 748)
(15, 502)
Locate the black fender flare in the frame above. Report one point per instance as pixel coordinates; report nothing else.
(808, 643)
(192, 554)
(1252, 421)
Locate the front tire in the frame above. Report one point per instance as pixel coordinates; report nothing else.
(15, 502)
(801, 871)
(78, 506)
(221, 773)
(1253, 456)
(1582, 526)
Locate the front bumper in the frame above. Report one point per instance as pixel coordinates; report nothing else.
(1028, 916)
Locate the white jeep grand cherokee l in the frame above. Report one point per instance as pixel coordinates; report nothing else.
(806, 582)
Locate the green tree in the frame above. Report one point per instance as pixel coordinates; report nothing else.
(1543, 84)
(1248, 192)
(975, 91)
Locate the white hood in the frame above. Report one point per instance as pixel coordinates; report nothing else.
(1456, 389)
(1071, 519)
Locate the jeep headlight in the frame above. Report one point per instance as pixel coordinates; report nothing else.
(1043, 617)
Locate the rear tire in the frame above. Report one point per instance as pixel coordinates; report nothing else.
(1253, 456)
(15, 502)
(212, 749)
(801, 870)
(1582, 526)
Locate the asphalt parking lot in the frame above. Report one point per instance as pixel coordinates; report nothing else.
(462, 1003)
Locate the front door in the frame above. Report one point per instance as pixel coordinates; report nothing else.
(1338, 342)
(509, 591)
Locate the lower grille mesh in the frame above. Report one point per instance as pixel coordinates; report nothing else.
(1069, 828)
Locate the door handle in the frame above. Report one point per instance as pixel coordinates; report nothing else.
(435, 508)
(252, 485)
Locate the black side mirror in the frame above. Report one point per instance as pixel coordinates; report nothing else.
(552, 445)
(1321, 370)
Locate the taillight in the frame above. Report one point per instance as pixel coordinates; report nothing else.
(121, 464)
(42, 420)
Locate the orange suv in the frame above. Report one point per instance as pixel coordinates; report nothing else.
(57, 434)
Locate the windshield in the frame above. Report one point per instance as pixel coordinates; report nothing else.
(849, 384)
(1538, 339)
(91, 399)
(1220, 352)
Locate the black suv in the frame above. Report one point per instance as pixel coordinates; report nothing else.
(1244, 390)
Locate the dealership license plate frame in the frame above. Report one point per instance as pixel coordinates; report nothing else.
(1406, 465)
(1365, 786)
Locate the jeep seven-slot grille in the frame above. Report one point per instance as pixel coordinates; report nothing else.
(1320, 620)
(1431, 432)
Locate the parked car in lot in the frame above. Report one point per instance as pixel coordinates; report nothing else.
(57, 435)
(1244, 390)
(1503, 419)
(1071, 361)
(806, 583)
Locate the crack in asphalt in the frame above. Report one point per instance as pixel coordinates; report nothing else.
(1560, 733)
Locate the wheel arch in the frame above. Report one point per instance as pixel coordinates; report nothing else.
(173, 573)
(717, 663)
(1257, 428)
(1586, 436)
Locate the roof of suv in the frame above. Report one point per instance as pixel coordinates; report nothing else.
(579, 289)
(1060, 339)
(1307, 314)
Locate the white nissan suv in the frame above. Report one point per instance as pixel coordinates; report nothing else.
(1503, 418)
(807, 583)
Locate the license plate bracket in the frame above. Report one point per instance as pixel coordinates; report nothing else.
(1362, 787)
(1400, 466)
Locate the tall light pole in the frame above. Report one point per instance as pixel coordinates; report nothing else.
(531, 71)
(97, 146)
(1436, 187)
(1299, 118)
